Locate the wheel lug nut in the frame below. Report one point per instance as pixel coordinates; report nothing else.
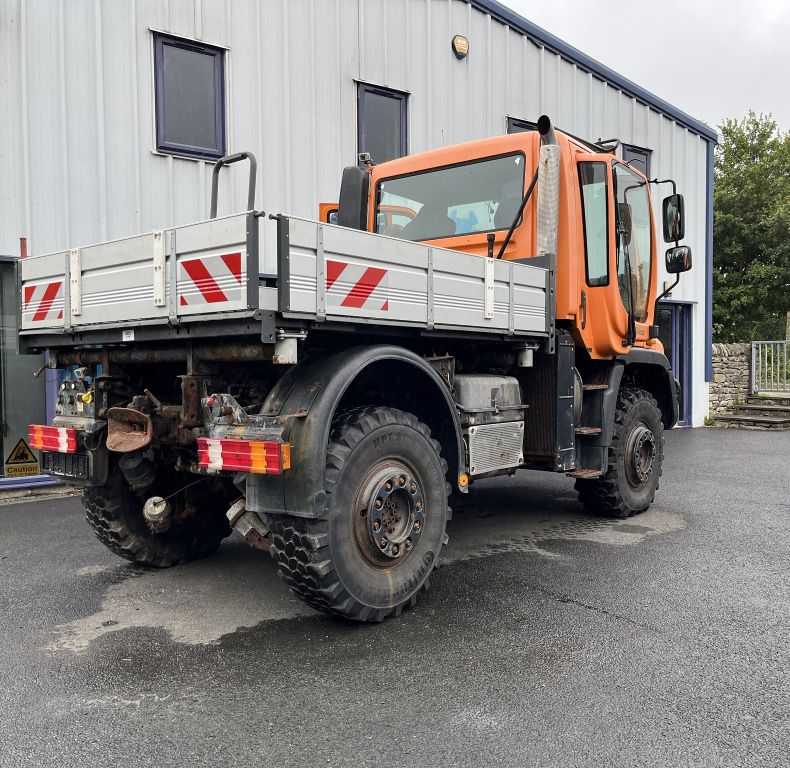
(388, 486)
(378, 503)
(418, 506)
(417, 525)
(413, 488)
(383, 543)
(377, 526)
(402, 480)
(408, 543)
(395, 549)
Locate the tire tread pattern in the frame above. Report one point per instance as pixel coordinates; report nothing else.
(112, 512)
(602, 496)
(301, 545)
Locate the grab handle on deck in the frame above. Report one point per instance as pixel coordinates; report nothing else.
(227, 160)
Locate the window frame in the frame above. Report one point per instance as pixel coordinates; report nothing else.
(162, 146)
(515, 153)
(607, 173)
(639, 152)
(379, 90)
(651, 228)
(517, 122)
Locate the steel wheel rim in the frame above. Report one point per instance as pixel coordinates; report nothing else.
(640, 455)
(389, 514)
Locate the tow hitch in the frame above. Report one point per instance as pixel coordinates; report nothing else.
(249, 525)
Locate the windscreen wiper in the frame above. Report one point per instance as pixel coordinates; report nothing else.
(518, 214)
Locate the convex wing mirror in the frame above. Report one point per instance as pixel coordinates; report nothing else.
(674, 218)
(678, 259)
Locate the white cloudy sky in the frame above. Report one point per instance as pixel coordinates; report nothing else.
(711, 58)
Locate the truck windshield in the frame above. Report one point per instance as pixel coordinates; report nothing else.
(479, 196)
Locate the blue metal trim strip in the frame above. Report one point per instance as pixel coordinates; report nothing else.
(34, 481)
(540, 35)
(709, 264)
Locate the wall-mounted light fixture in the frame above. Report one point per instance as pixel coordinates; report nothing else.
(460, 46)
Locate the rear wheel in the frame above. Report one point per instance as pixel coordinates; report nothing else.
(375, 550)
(635, 459)
(115, 513)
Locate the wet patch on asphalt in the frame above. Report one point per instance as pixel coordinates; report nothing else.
(200, 603)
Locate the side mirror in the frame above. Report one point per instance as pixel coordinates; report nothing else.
(678, 259)
(674, 218)
(353, 202)
(624, 220)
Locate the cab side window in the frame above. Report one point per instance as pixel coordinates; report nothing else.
(594, 192)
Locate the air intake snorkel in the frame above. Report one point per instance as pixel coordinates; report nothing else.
(549, 189)
(548, 171)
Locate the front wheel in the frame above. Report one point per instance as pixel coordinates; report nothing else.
(375, 550)
(635, 458)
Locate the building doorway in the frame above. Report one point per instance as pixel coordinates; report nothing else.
(674, 332)
(22, 397)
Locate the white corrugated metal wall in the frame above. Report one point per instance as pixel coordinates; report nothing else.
(77, 136)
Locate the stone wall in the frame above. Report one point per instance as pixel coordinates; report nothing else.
(731, 369)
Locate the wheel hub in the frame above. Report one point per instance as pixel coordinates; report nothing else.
(391, 514)
(640, 454)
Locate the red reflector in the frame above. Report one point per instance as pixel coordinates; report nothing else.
(260, 457)
(56, 439)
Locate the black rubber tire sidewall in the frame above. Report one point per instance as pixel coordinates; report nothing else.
(385, 587)
(115, 513)
(644, 410)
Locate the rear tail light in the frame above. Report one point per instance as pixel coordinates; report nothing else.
(57, 439)
(262, 458)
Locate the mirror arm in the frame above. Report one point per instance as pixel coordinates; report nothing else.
(661, 295)
(665, 181)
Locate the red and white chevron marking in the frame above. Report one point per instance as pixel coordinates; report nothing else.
(212, 279)
(355, 286)
(44, 301)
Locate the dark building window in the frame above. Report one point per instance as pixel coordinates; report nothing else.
(382, 122)
(637, 157)
(190, 97)
(514, 125)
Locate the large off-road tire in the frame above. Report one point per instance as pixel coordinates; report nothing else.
(374, 551)
(635, 459)
(115, 513)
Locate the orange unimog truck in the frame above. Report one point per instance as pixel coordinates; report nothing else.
(475, 310)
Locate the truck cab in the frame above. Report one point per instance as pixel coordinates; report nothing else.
(460, 197)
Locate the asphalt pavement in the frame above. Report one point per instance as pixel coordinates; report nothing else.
(548, 638)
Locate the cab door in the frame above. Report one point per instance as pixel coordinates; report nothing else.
(617, 234)
(597, 316)
(634, 251)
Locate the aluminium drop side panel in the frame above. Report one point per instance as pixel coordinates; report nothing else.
(333, 273)
(43, 291)
(459, 300)
(118, 282)
(217, 265)
(197, 269)
(362, 277)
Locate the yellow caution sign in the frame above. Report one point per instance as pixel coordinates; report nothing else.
(21, 462)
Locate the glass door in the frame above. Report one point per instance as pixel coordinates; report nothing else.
(674, 332)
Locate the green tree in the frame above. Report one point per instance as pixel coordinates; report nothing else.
(751, 230)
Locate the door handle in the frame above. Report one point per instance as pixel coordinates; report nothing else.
(584, 310)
